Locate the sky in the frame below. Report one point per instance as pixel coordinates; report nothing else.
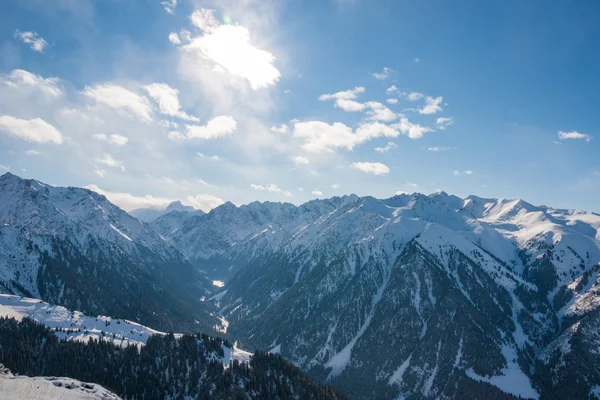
(151, 101)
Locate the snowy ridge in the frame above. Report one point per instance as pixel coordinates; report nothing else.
(74, 325)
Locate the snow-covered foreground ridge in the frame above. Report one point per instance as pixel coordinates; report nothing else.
(49, 388)
(74, 325)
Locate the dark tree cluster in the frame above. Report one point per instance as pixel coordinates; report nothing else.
(166, 367)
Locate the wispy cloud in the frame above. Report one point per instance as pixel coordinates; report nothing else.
(388, 147)
(384, 74)
(562, 135)
(374, 168)
(35, 41)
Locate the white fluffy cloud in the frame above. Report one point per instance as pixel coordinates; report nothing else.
(174, 38)
(32, 130)
(271, 187)
(414, 131)
(167, 99)
(283, 128)
(204, 202)
(432, 105)
(379, 112)
(298, 160)
(444, 122)
(392, 101)
(374, 168)
(388, 147)
(384, 74)
(217, 127)
(120, 99)
(21, 79)
(391, 90)
(115, 138)
(320, 137)
(229, 48)
(414, 96)
(562, 135)
(349, 105)
(335, 186)
(35, 41)
(350, 94)
(317, 192)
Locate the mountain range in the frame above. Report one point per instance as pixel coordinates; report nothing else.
(414, 296)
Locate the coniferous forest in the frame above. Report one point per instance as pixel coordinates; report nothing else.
(166, 367)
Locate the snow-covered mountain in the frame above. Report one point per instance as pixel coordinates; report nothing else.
(71, 246)
(413, 296)
(150, 214)
(424, 296)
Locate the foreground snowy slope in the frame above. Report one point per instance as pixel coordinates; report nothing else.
(49, 388)
(71, 246)
(409, 293)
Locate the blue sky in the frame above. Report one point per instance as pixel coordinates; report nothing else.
(150, 101)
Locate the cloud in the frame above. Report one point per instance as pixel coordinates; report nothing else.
(214, 158)
(444, 122)
(167, 99)
(441, 148)
(467, 172)
(100, 172)
(392, 89)
(380, 112)
(4, 167)
(414, 96)
(414, 131)
(374, 168)
(384, 74)
(32, 130)
(130, 202)
(21, 79)
(32, 152)
(349, 105)
(432, 105)
(392, 101)
(120, 99)
(115, 138)
(205, 202)
(387, 148)
(111, 162)
(271, 187)
(174, 38)
(335, 186)
(170, 6)
(317, 192)
(350, 94)
(228, 47)
(562, 135)
(35, 41)
(283, 128)
(298, 160)
(416, 59)
(320, 137)
(217, 127)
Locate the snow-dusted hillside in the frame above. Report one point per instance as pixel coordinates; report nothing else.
(49, 388)
(71, 246)
(75, 325)
(480, 285)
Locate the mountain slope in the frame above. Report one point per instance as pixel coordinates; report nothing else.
(162, 366)
(73, 247)
(424, 296)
